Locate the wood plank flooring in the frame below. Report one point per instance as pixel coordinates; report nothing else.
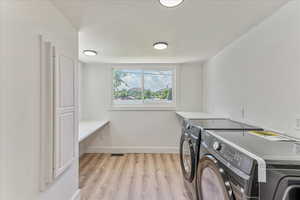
(131, 177)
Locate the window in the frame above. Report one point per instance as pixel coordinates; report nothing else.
(142, 87)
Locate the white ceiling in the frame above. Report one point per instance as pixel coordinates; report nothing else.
(123, 31)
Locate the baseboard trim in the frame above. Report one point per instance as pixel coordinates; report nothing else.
(76, 195)
(132, 149)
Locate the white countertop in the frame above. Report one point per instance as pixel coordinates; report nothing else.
(87, 128)
(200, 115)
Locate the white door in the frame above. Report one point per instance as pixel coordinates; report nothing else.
(65, 105)
(59, 112)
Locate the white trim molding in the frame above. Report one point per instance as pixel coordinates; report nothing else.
(76, 195)
(46, 113)
(133, 149)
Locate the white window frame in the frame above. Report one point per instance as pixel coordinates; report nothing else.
(145, 106)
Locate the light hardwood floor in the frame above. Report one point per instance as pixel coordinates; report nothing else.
(131, 177)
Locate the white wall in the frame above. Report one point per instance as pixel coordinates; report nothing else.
(260, 72)
(190, 87)
(137, 131)
(2, 147)
(22, 22)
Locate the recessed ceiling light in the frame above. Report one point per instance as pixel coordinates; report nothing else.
(160, 45)
(170, 3)
(90, 52)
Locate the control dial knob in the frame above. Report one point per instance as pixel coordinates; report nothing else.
(188, 126)
(217, 146)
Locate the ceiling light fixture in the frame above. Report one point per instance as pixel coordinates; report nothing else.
(90, 52)
(170, 3)
(160, 45)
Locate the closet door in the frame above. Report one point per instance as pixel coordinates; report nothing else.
(65, 123)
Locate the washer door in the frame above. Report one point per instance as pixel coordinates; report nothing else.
(187, 158)
(212, 182)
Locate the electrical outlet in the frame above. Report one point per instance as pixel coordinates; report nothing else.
(297, 123)
(243, 112)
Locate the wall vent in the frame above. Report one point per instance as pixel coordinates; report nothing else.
(117, 154)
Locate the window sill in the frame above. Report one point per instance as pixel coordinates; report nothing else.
(142, 108)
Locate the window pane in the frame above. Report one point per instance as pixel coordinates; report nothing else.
(158, 86)
(127, 86)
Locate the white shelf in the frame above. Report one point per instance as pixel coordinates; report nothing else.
(87, 128)
(200, 115)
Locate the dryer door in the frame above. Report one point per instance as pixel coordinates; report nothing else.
(187, 158)
(212, 182)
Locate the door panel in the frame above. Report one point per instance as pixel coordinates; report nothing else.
(211, 179)
(211, 188)
(65, 141)
(65, 112)
(66, 81)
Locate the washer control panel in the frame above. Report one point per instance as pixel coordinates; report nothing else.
(231, 155)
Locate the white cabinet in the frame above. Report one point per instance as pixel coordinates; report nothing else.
(59, 112)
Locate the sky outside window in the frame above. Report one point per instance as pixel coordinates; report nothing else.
(128, 86)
